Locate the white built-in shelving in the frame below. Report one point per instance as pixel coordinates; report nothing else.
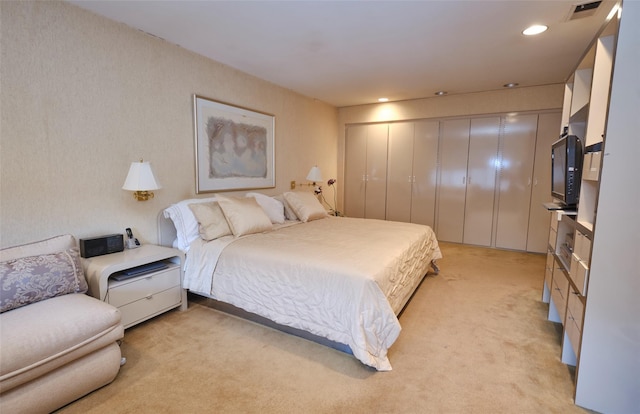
(593, 294)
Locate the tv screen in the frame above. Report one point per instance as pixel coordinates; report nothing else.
(559, 164)
(566, 166)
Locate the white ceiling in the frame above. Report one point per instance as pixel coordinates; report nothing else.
(353, 52)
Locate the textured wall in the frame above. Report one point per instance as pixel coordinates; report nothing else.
(82, 97)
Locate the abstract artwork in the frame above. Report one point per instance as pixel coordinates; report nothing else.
(234, 147)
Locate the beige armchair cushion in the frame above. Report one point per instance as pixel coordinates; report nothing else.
(43, 336)
(51, 245)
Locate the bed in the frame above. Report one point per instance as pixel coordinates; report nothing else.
(338, 278)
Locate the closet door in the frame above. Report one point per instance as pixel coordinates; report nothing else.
(547, 133)
(516, 169)
(376, 175)
(481, 180)
(425, 159)
(400, 171)
(355, 170)
(454, 151)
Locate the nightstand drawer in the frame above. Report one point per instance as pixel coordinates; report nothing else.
(573, 332)
(579, 274)
(124, 292)
(553, 235)
(150, 306)
(559, 292)
(550, 261)
(555, 219)
(576, 308)
(573, 325)
(548, 271)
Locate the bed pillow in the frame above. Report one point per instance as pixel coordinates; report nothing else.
(305, 205)
(288, 212)
(30, 279)
(184, 221)
(212, 223)
(244, 215)
(272, 207)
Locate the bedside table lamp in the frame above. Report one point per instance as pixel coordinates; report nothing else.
(141, 181)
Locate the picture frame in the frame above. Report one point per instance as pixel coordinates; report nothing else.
(234, 147)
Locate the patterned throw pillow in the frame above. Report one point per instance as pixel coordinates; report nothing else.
(32, 279)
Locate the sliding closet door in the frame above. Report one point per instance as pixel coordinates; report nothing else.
(454, 151)
(425, 159)
(547, 133)
(400, 171)
(481, 180)
(376, 174)
(355, 170)
(516, 169)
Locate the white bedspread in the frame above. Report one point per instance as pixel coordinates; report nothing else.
(344, 279)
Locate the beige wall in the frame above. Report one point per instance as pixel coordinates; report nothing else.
(491, 102)
(82, 97)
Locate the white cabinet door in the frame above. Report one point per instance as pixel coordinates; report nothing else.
(425, 164)
(376, 175)
(472, 180)
(400, 171)
(454, 151)
(366, 171)
(481, 180)
(548, 131)
(355, 170)
(411, 171)
(516, 169)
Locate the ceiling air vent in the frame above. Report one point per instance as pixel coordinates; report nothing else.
(583, 10)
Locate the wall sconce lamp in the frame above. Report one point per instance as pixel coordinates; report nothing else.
(141, 181)
(315, 176)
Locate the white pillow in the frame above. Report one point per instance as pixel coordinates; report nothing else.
(288, 213)
(211, 221)
(271, 206)
(305, 205)
(184, 221)
(244, 215)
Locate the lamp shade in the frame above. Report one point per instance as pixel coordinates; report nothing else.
(314, 174)
(140, 178)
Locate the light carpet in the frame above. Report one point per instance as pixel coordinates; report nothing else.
(475, 339)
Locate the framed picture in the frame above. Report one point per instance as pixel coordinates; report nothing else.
(235, 147)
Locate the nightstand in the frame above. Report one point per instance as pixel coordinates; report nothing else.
(143, 295)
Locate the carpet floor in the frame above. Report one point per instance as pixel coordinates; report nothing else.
(475, 339)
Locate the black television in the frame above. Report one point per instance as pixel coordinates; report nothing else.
(566, 170)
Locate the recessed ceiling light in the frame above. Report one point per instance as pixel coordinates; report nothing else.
(383, 99)
(511, 85)
(534, 30)
(441, 93)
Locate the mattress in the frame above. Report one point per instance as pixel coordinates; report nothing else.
(344, 279)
